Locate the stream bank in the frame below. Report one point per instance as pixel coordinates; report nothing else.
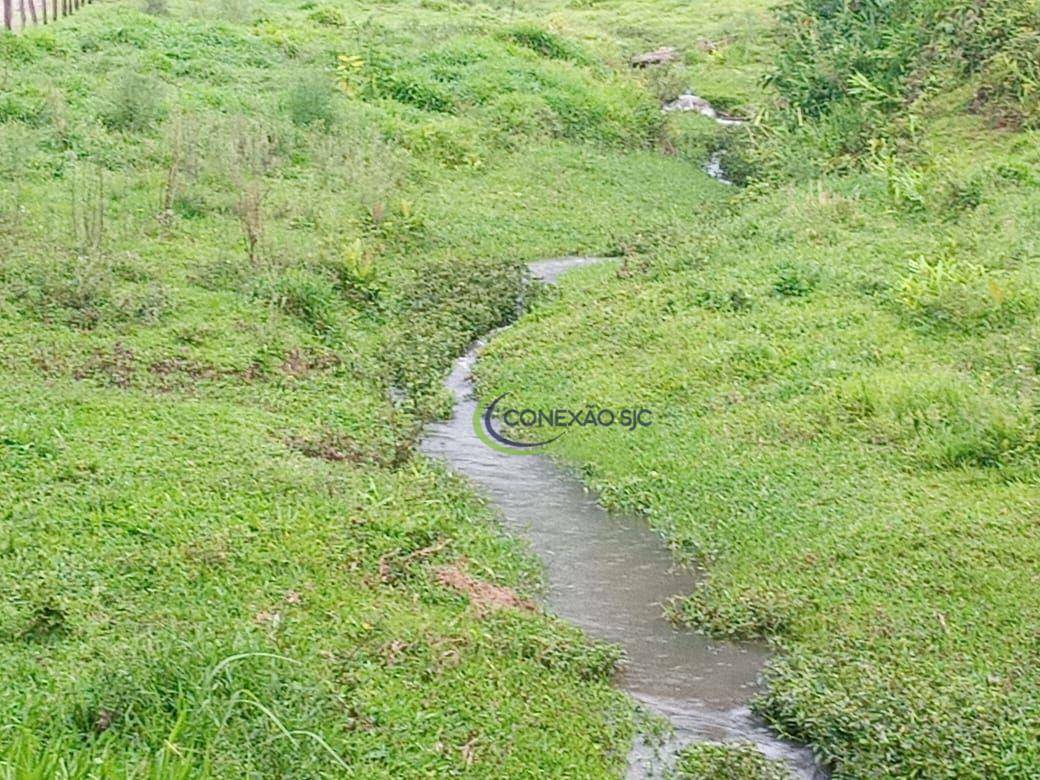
(611, 575)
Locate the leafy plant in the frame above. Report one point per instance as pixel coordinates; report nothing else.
(949, 292)
(357, 274)
(311, 101)
(136, 102)
(716, 761)
(329, 16)
(796, 281)
(302, 294)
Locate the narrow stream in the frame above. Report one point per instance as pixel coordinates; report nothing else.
(610, 575)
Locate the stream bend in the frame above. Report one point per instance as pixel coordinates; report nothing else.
(610, 575)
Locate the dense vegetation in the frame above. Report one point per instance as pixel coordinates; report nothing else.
(886, 55)
(855, 80)
(241, 242)
(845, 371)
(714, 761)
(227, 233)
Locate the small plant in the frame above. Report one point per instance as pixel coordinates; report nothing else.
(23, 105)
(941, 418)
(950, 292)
(348, 69)
(250, 216)
(402, 222)
(962, 196)
(546, 43)
(795, 281)
(136, 103)
(87, 195)
(519, 116)
(905, 185)
(356, 273)
(304, 295)
(666, 82)
(450, 141)
(238, 11)
(171, 186)
(1011, 81)
(328, 15)
(310, 101)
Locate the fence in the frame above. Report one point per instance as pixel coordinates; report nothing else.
(21, 13)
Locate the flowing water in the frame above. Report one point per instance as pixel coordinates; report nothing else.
(690, 102)
(610, 575)
(713, 167)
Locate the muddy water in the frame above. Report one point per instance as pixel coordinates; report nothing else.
(610, 575)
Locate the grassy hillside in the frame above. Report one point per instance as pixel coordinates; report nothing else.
(227, 232)
(844, 371)
(240, 243)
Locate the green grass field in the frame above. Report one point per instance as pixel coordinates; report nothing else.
(844, 377)
(229, 231)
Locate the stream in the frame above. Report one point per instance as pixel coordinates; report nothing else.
(610, 575)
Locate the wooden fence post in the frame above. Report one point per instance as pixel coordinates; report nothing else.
(48, 11)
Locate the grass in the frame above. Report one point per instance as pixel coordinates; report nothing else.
(227, 233)
(712, 761)
(845, 434)
(240, 244)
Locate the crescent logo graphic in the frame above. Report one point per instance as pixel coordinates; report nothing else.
(484, 424)
(540, 421)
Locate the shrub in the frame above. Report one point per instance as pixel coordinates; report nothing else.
(439, 312)
(1010, 82)
(906, 185)
(939, 418)
(381, 74)
(880, 56)
(190, 205)
(615, 113)
(449, 141)
(85, 293)
(518, 115)
(328, 15)
(302, 294)
(356, 274)
(796, 281)
(311, 101)
(666, 82)
(23, 105)
(572, 102)
(136, 103)
(363, 164)
(546, 43)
